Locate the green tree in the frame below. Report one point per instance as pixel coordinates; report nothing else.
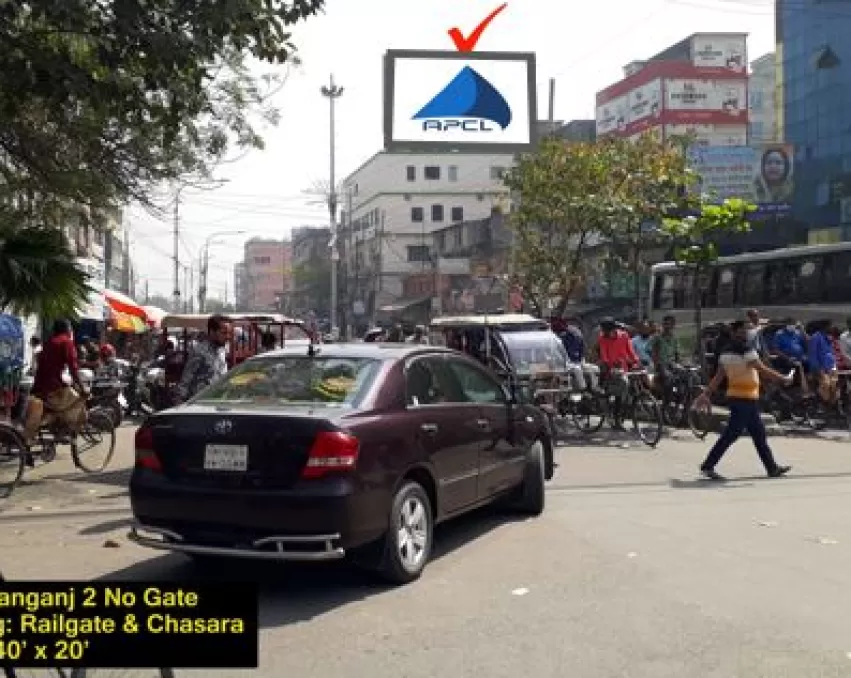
(38, 273)
(652, 181)
(695, 243)
(564, 209)
(312, 283)
(102, 102)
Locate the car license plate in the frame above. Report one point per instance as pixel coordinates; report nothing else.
(226, 458)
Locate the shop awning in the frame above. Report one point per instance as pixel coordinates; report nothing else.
(154, 315)
(124, 313)
(124, 322)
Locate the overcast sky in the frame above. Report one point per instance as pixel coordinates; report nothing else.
(582, 44)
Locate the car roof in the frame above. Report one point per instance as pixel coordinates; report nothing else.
(495, 320)
(378, 351)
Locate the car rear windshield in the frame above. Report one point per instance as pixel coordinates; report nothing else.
(295, 380)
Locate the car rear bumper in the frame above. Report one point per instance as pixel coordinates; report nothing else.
(317, 520)
(318, 547)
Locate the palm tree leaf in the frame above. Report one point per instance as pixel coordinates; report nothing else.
(39, 275)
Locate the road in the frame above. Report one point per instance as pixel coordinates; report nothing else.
(637, 569)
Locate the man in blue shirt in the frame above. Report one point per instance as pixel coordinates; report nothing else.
(822, 361)
(790, 345)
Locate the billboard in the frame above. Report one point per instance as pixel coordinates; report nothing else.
(645, 102)
(763, 174)
(729, 96)
(94, 308)
(477, 101)
(612, 116)
(720, 51)
(710, 135)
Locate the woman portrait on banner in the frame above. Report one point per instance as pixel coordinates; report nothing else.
(774, 183)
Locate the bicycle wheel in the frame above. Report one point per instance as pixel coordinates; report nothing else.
(699, 421)
(647, 418)
(94, 446)
(13, 453)
(673, 407)
(589, 413)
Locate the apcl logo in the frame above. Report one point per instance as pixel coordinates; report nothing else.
(469, 104)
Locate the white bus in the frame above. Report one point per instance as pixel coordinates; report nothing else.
(811, 282)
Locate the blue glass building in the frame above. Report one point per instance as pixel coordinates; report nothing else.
(814, 98)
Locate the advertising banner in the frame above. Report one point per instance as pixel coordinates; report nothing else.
(720, 51)
(759, 174)
(729, 96)
(612, 116)
(711, 135)
(645, 102)
(94, 307)
(460, 100)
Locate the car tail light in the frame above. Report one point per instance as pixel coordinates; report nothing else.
(332, 452)
(145, 456)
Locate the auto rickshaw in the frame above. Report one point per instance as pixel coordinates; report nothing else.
(522, 350)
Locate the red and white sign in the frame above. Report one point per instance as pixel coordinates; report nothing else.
(710, 135)
(729, 97)
(720, 51)
(612, 116)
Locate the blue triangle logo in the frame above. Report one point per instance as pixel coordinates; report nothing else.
(469, 95)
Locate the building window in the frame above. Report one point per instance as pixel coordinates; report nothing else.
(756, 97)
(757, 130)
(457, 214)
(411, 173)
(432, 172)
(452, 172)
(417, 214)
(497, 172)
(418, 253)
(437, 212)
(262, 260)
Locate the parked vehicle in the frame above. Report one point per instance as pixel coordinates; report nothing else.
(333, 451)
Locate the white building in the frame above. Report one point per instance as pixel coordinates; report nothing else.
(395, 201)
(761, 100)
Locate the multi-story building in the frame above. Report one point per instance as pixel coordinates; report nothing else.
(240, 291)
(267, 273)
(578, 130)
(762, 86)
(697, 86)
(814, 55)
(394, 203)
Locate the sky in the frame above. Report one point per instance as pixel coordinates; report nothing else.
(583, 45)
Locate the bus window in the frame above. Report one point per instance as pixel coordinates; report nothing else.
(810, 288)
(664, 292)
(751, 283)
(726, 287)
(837, 277)
(782, 278)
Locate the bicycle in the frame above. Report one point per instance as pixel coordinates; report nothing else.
(98, 430)
(619, 401)
(682, 390)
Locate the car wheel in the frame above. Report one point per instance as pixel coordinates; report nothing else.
(409, 539)
(532, 492)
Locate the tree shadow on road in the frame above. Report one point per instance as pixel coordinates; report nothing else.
(295, 592)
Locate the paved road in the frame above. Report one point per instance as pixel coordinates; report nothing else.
(637, 569)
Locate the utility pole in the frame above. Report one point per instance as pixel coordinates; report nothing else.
(176, 253)
(333, 92)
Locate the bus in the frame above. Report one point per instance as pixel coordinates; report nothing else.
(810, 282)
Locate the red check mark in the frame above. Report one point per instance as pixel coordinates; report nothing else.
(468, 44)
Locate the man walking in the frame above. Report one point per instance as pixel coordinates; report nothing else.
(208, 361)
(741, 365)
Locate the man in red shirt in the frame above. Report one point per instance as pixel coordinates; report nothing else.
(615, 347)
(49, 388)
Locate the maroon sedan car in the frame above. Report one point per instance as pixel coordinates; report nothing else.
(342, 450)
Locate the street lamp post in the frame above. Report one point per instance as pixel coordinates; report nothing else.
(205, 266)
(333, 92)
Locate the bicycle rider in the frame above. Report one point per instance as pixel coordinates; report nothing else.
(616, 353)
(50, 390)
(665, 354)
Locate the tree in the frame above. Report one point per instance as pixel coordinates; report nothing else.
(312, 282)
(652, 181)
(695, 238)
(102, 102)
(39, 275)
(564, 208)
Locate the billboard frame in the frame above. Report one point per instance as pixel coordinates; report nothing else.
(389, 89)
